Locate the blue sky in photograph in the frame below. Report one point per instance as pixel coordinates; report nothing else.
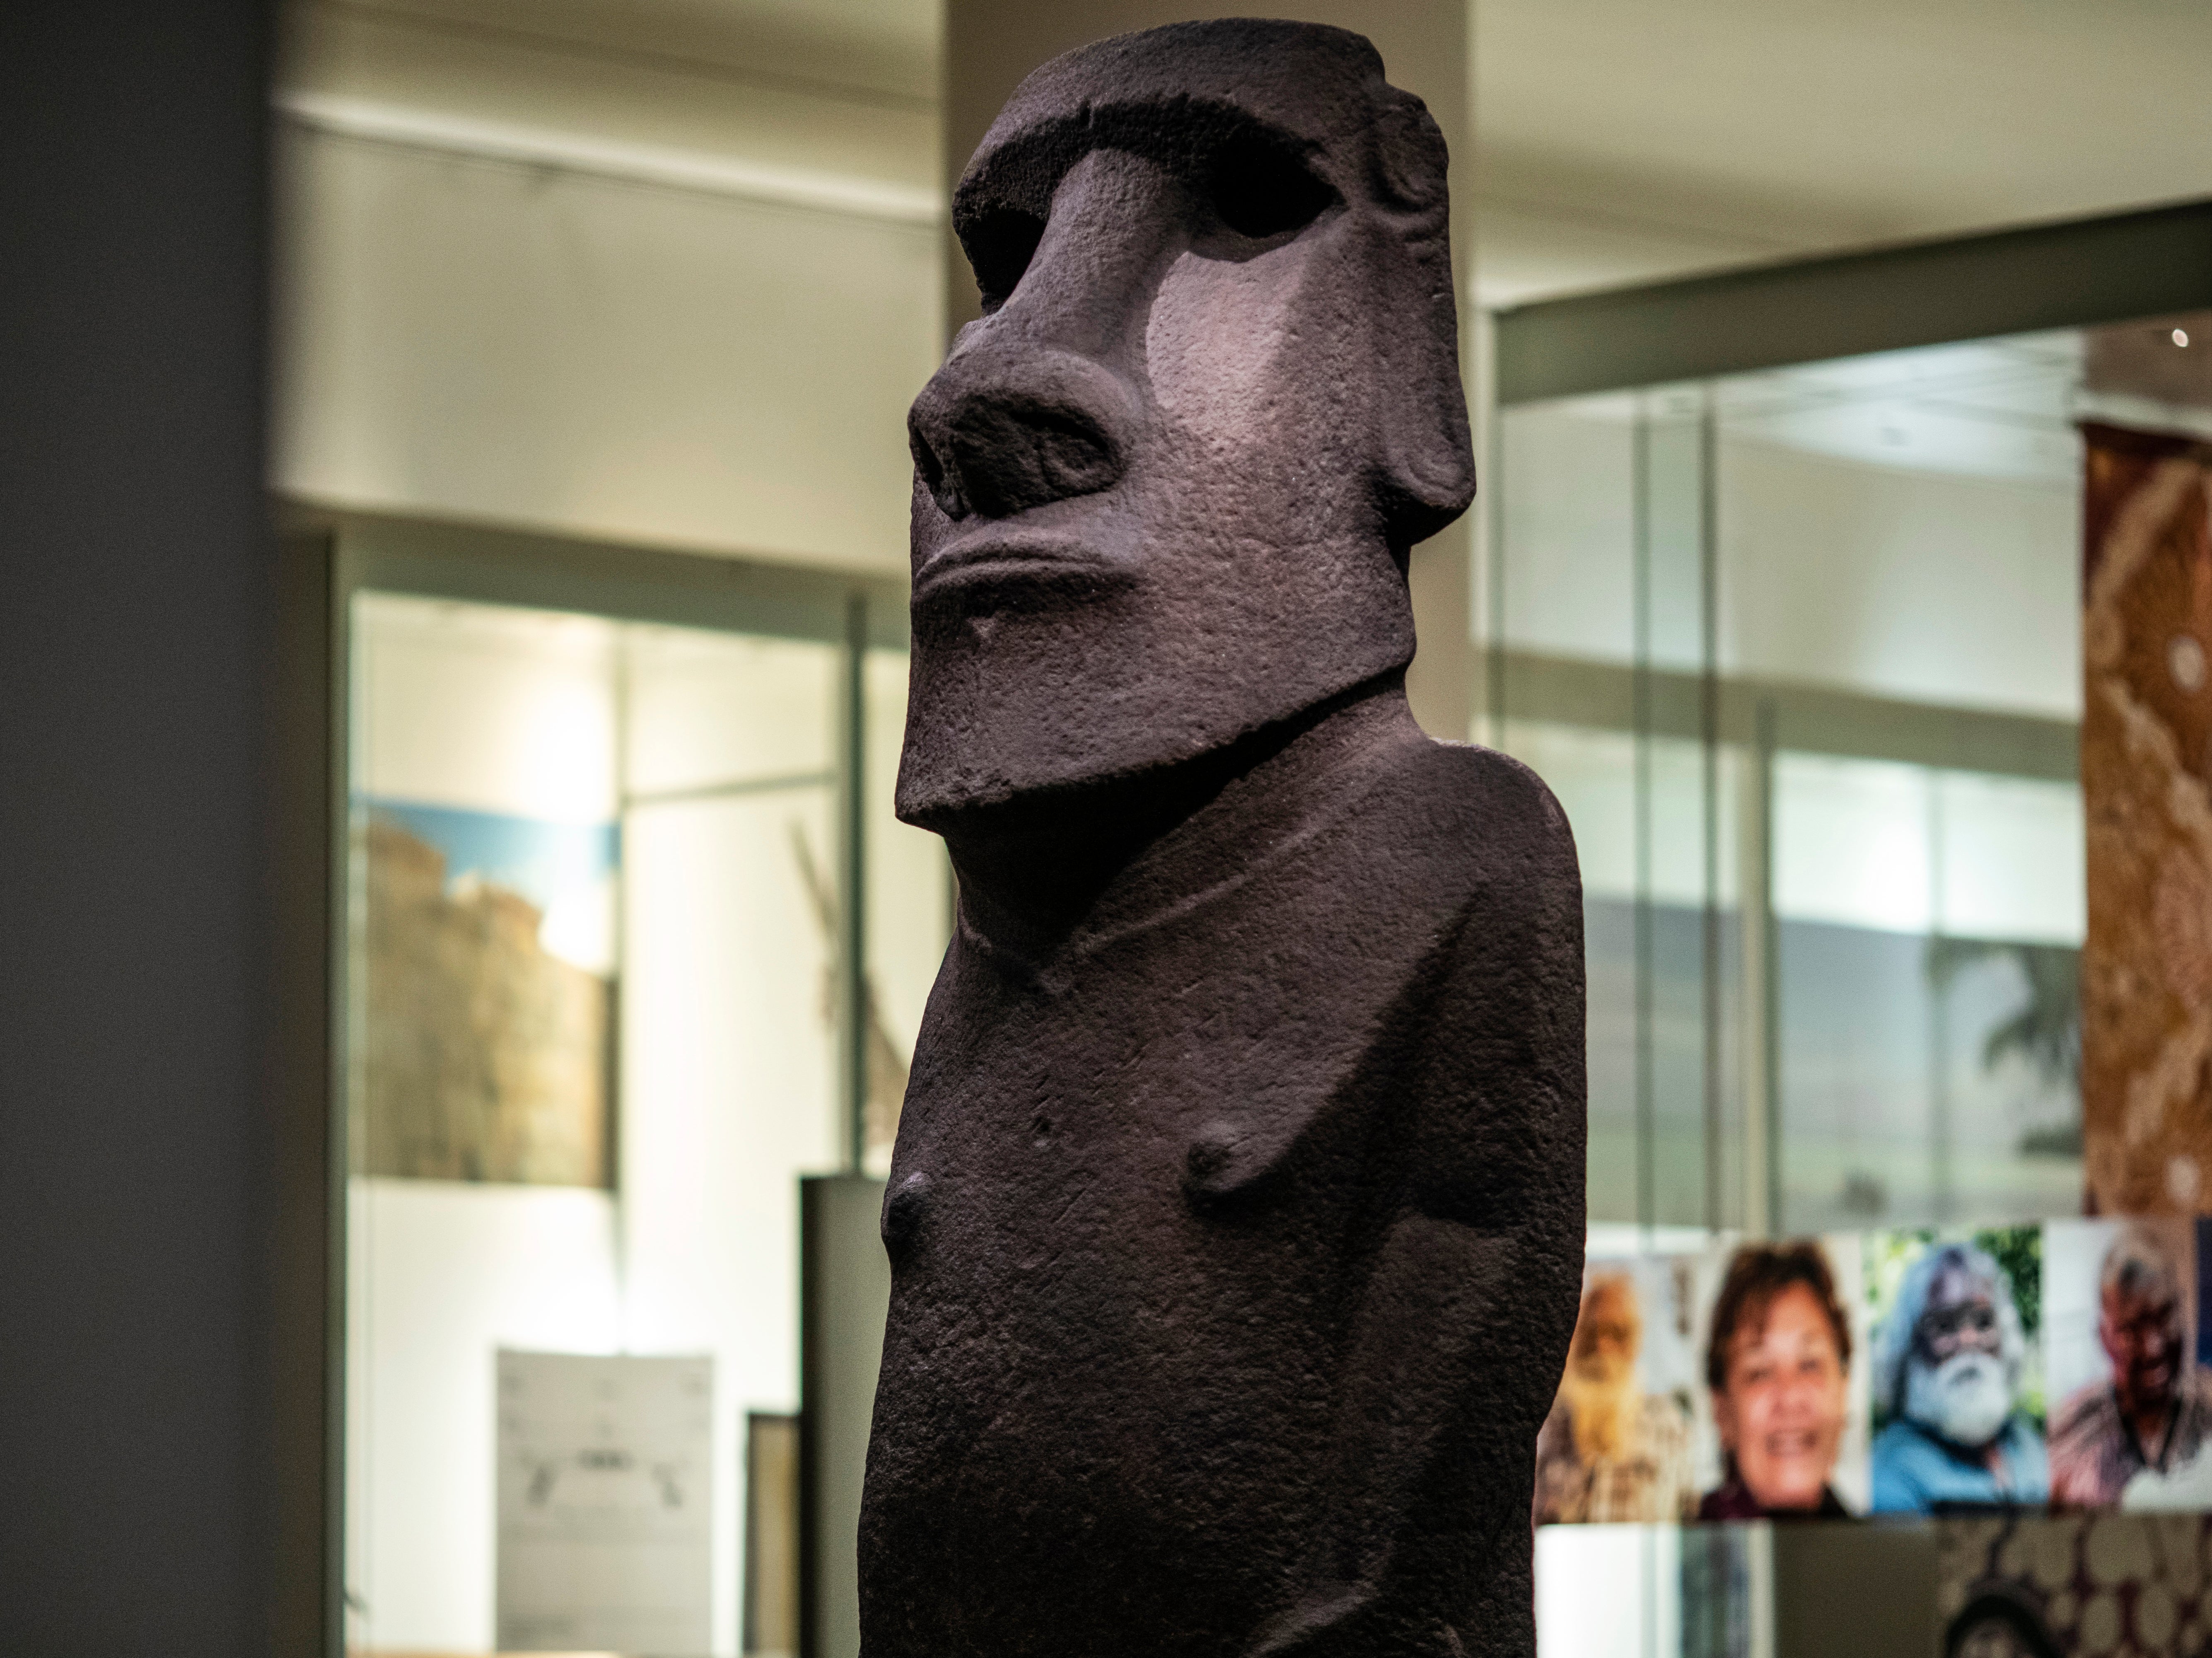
(543, 861)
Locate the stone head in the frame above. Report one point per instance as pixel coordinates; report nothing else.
(1165, 486)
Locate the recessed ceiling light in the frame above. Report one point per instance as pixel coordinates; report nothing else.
(2181, 337)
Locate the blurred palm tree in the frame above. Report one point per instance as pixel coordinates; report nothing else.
(2044, 1031)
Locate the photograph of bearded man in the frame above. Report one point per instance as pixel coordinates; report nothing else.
(2151, 1408)
(1777, 1367)
(1610, 1450)
(1950, 1362)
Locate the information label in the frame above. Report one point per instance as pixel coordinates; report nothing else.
(604, 1516)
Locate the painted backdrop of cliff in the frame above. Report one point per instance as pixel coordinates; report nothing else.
(486, 1004)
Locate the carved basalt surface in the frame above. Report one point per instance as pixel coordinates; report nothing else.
(1236, 1216)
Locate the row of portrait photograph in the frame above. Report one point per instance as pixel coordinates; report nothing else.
(2062, 1365)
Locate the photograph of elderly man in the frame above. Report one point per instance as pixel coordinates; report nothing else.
(2149, 1405)
(1951, 1367)
(1615, 1446)
(1778, 1366)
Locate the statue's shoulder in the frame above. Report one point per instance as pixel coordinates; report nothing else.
(1473, 801)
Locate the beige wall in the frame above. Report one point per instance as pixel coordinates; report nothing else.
(477, 339)
(588, 293)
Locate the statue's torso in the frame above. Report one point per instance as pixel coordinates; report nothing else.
(1136, 1214)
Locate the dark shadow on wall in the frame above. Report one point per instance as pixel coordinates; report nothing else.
(136, 616)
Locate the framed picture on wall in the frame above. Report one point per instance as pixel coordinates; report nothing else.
(489, 995)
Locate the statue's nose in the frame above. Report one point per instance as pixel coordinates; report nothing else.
(1037, 402)
(997, 432)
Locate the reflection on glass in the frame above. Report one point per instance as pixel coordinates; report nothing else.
(1928, 926)
(593, 913)
(1799, 653)
(909, 907)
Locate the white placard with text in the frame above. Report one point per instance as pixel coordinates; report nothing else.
(605, 1539)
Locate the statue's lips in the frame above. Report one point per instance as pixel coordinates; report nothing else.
(1018, 559)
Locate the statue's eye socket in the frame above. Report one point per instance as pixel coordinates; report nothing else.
(1260, 190)
(999, 246)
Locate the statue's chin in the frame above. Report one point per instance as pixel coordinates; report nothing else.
(1023, 691)
(984, 746)
(1024, 755)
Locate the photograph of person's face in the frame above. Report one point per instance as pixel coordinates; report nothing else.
(1783, 1410)
(1618, 1444)
(1607, 1335)
(1599, 1386)
(2139, 1323)
(1957, 1382)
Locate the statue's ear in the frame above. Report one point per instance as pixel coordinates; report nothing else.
(1425, 475)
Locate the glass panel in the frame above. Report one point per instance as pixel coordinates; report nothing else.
(1905, 525)
(1928, 922)
(728, 1011)
(1903, 529)
(1800, 652)
(1593, 772)
(909, 907)
(1562, 598)
(1564, 584)
(591, 917)
(1601, 594)
(1811, 636)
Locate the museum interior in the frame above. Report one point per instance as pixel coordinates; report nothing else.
(1841, 386)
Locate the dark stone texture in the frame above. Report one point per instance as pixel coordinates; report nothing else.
(1236, 1220)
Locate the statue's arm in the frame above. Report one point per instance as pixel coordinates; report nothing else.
(1462, 1324)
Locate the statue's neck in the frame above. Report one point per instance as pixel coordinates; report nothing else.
(1037, 870)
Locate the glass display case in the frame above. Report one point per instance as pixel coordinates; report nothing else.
(1799, 652)
(602, 978)
(1783, 593)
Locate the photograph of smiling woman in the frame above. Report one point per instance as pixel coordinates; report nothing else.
(1777, 1367)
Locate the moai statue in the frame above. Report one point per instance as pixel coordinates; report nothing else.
(1236, 1219)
